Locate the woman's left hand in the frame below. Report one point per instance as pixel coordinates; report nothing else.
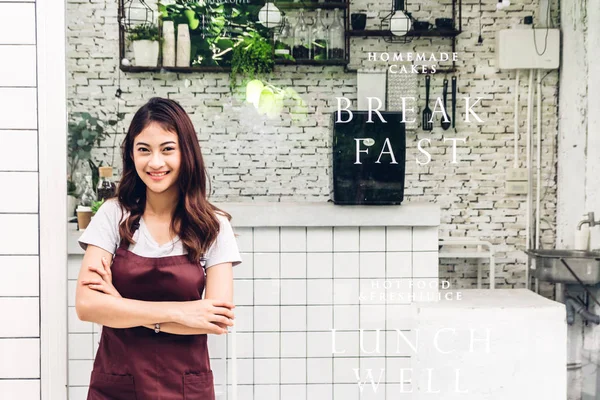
(105, 284)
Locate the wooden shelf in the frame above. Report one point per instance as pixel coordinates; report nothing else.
(308, 5)
(311, 62)
(208, 68)
(445, 33)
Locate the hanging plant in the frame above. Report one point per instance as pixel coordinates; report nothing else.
(269, 99)
(253, 56)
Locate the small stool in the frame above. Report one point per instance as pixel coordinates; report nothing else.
(478, 253)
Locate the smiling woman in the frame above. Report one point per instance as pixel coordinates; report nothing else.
(167, 244)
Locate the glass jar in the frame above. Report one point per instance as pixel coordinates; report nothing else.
(284, 40)
(319, 39)
(106, 188)
(337, 38)
(301, 49)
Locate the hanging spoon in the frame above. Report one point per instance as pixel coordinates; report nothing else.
(445, 124)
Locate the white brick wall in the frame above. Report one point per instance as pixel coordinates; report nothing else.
(250, 158)
(19, 255)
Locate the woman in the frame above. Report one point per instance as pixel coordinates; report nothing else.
(169, 243)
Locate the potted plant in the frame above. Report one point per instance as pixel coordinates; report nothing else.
(252, 56)
(95, 206)
(84, 131)
(145, 41)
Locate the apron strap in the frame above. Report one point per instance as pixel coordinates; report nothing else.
(124, 245)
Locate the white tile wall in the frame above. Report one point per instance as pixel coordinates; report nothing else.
(19, 107)
(19, 233)
(22, 389)
(294, 286)
(18, 30)
(19, 316)
(21, 69)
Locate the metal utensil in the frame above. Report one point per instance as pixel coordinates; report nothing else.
(453, 101)
(427, 124)
(445, 124)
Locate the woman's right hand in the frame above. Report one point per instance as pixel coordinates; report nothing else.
(211, 315)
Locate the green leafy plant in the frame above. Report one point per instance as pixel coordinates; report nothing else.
(215, 27)
(85, 131)
(253, 56)
(147, 31)
(269, 99)
(96, 205)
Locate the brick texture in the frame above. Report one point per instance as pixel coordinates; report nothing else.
(253, 158)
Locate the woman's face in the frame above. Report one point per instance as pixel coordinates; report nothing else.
(156, 150)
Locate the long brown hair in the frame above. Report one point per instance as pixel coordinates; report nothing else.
(197, 219)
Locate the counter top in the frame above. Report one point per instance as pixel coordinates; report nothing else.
(491, 299)
(254, 214)
(311, 214)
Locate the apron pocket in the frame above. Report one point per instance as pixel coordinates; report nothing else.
(109, 386)
(199, 386)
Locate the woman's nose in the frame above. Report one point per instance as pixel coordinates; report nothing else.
(156, 161)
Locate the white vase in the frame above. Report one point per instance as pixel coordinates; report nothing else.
(71, 205)
(183, 45)
(145, 53)
(168, 47)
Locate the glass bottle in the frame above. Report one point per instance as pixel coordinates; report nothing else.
(301, 39)
(106, 188)
(337, 39)
(319, 39)
(88, 196)
(284, 40)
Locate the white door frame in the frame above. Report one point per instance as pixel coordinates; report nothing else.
(52, 167)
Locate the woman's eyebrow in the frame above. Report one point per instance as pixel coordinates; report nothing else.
(146, 144)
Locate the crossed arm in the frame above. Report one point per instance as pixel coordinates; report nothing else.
(98, 301)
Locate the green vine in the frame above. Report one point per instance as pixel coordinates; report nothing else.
(252, 57)
(144, 32)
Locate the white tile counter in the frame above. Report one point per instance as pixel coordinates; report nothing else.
(309, 268)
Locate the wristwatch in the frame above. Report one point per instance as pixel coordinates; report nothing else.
(156, 328)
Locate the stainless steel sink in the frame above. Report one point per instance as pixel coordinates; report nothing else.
(549, 267)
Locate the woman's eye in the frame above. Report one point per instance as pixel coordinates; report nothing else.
(166, 149)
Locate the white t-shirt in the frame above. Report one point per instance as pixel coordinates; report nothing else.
(103, 231)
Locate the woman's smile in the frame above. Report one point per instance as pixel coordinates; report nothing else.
(157, 176)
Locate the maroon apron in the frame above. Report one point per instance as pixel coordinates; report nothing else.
(139, 364)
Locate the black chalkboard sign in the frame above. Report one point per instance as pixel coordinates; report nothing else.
(369, 157)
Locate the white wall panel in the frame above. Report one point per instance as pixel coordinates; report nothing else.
(20, 358)
(27, 199)
(18, 24)
(21, 389)
(20, 317)
(26, 158)
(19, 107)
(20, 276)
(22, 237)
(19, 65)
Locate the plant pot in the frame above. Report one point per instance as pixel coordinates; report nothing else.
(358, 21)
(145, 53)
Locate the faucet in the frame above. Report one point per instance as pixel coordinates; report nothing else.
(588, 220)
